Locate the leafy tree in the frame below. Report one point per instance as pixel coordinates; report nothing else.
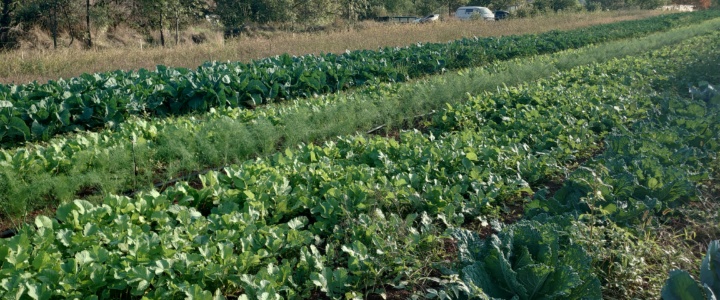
(354, 10)
(184, 12)
(163, 14)
(397, 7)
(652, 4)
(452, 5)
(702, 4)
(425, 7)
(52, 15)
(316, 12)
(233, 13)
(556, 5)
(486, 3)
(503, 4)
(7, 21)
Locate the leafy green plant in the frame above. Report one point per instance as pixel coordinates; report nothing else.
(681, 286)
(106, 99)
(350, 216)
(706, 92)
(526, 261)
(641, 173)
(143, 151)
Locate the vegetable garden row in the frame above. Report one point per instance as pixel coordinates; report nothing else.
(362, 215)
(143, 152)
(36, 111)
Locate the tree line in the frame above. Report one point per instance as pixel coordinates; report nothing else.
(77, 18)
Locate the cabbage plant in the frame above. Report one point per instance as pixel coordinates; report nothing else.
(526, 261)
(681, 286)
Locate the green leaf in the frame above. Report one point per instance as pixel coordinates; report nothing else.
(18, 127)
(39, 131)
(609, 209)
(226, 79)
(42, 261)
(653, 183)
(257, 87)
(710, 267)
(38, 291)
(471, 156)
(83, 206)
(319, 280)
(298, 223)
(83, 257)
(64, 236)
(64, 117)
(3, 253)
(64, 211)
(195, 292)
(43, 222)
(681, 286)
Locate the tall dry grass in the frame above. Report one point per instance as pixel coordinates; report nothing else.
(23, 66)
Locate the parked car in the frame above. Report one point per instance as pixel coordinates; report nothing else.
(501, 14)
(468, 12)
(427, 19)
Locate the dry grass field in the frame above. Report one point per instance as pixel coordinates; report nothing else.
(25, 65)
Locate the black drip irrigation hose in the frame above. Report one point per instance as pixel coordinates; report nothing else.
(8, 233)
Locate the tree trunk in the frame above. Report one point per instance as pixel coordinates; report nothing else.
(87, 22)
(177, 28)
(5, 19)
(69, 25)
(6, 23)
(162, 35)
(55, 24)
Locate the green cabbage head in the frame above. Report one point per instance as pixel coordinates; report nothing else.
(526, 261)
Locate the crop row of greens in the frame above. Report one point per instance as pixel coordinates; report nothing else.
(647, 171)
(345, 218)
(142, 152)
(36, 111)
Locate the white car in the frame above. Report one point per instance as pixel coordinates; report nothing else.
(467, 12)
(427, 19)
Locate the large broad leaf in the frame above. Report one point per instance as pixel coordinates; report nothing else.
(483, 285)
(469, 245)
(39, 131)
(681, 286)
(541, 244)
(18, 127)
(577, 280)
(256, 87)
(710, 267)
(64, 212)
(533, 278)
